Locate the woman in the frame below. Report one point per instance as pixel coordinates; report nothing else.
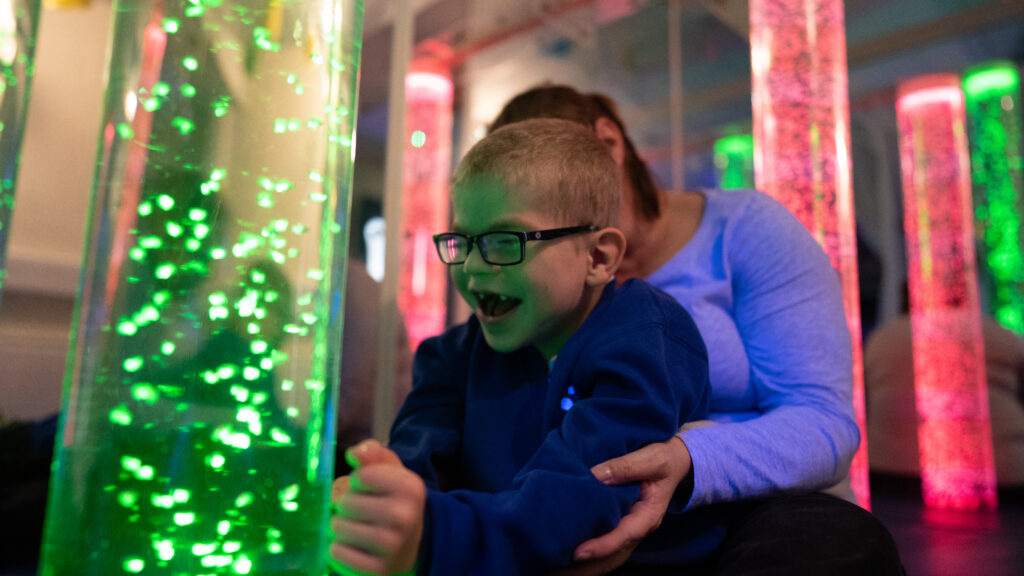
(769, 307)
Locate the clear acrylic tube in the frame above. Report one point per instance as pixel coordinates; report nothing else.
(197, 424)
(19, 22)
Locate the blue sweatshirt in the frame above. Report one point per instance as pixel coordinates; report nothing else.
(505, 446)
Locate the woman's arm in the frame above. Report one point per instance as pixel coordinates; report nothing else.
(788, 309)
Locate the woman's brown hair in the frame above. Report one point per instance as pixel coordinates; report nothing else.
(554, 101)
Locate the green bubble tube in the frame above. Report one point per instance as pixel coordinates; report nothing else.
(997, 176)
(197, 425)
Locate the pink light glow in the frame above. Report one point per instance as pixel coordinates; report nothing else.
(422, 287)
(429, 86)
(802, 149)
(954, 433)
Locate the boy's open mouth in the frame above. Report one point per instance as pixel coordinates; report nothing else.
(495, 306)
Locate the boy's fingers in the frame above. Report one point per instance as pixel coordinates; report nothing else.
(338, 487)
(370, 452)
(374, 540)
(350, 561)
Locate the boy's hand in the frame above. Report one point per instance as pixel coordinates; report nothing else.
(378, 520)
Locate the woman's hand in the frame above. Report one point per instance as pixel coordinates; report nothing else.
(659, 468)
(378, 522)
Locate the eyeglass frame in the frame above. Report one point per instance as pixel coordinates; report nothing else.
(524, 237)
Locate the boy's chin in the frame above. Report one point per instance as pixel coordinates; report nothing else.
(502, 345)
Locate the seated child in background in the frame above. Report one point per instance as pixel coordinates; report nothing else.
(488, 466)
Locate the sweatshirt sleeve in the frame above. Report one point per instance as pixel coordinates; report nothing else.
(627, 399)
(788, 309)
(426, 434)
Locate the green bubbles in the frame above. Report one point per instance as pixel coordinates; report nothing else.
(151, 242)
(190, 63)
(127, 328)
(419, 138)
(280, 436)
(174, 229)
(215, 461)
(134, 565)
(262, 39)
(164, 549)
(133, 364)
(145, 208)
(162, 501)
(184, 125)
(289, 493)
(171, 25)
(165, 271)
(184, 518)
(120, 415)
(127, 498)
(218, 313)
(242, 566)
(165, 202)
(125, 131)
(200, 549)
(188, 90)
(130, 463)
(167, 348)
(144, 392)
(243, 500)
(161, 89)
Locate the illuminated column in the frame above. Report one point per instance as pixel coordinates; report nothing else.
(802, 148)
(197, 428)
(955, 440)
(427, 166)
(734, 162)
(994, 126)
(19, 20)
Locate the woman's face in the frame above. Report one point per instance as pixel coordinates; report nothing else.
(611, 136)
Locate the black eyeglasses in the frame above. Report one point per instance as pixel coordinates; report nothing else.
(498, 248)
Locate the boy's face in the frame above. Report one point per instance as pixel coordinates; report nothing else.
(540, 301)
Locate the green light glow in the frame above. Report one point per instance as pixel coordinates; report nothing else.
(734, 161)
(1000, 80)
(994, 127)
(419, 138)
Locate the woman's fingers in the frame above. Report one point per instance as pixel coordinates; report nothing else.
(645, 464)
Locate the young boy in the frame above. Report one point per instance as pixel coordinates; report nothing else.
(488, 470)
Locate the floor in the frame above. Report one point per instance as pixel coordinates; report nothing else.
(949, 543)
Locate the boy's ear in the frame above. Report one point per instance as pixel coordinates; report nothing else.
(605, 256)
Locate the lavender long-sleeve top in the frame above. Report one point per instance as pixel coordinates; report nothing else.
(769, 306)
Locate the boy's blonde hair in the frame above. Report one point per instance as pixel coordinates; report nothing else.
(562, 164)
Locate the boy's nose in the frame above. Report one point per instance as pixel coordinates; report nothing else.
(475, 264)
